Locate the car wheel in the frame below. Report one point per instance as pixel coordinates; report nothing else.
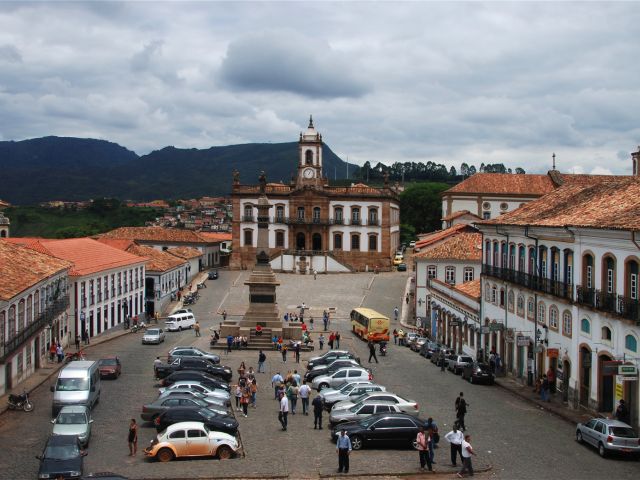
(356, 442)
(165, 455)
(180, 329)
(579, 436)
(322, 386)
(413, 443)
(602, 451)
(224, 452)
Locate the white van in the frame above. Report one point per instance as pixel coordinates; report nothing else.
(78, 384)
(180, 321)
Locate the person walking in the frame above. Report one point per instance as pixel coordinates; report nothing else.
(229, 343)
(276, 382)
(315, 273)
(156, 363)
(196, 328)
(87, 340)
(455, 438)
(544, 389)
(254, 392)
(461, 410)
(434, 438)
(311, 323)
(60, 353)
(395, 336)
(284, 353)
(337, 339)
(321, 340)
(395, 314)
(467, 451)
(304, 392)
(422, 442)
(284, 411)
(325, 319)
(244, 400)
(292, 395)
(133, 438)
(77, 342)
(261, 359)
(372, 352)
(318, 406)
(224, 315)
(343, 447)
(296, 351)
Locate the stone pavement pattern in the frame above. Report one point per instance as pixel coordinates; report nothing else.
(517, 438)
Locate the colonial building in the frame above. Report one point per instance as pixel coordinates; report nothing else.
(560, 283)
(4, 221)
(315, 226)
(34, 297)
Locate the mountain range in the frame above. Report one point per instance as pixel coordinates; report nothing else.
(72, 169)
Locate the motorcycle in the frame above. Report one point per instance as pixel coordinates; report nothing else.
(136, 327)
(383, 349)
(71, 357)
(20, 402)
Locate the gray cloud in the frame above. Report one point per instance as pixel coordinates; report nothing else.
(9, 53)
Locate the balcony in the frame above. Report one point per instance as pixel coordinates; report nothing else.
(619, 305)
(248, 218)
(532, 282)
(44, 319)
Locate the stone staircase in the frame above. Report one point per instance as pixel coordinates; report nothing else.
(258, 342)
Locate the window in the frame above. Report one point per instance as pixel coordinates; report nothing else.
(279, 213)
(510, 300)
(280, 239)
(588, 271)
(494, 294)
(521, 256)
(177, 433)
(468, 274)
(486, 206)
(432, 272)
(373, 216)
(610, 274)
(11, 331)
(337, 214)
(631, 343)
(553, 317)
(502, 297)
(248, 212)
(308, 157)
(487, 292)
(29, 309)
(300, 213)
(542, 309)
(337, 241)
(486, 215)
(606, 334)
(316, 214)
(585, 326)
(512, 257)
(530, 308)
(520, 306)
(373, 243)
(566, 323)
(355, 215)
(632, 280)
(248, 237)
(450, 275)
(83, 299)
(355, 241)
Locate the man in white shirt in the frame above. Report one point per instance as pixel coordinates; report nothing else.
(303, 392)
(455, 438)
(284, 411)
(467, 451)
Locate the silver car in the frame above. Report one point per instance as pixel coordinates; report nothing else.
(342, 376)
(609, 436)
(197, 388)
(212, 402)
(179, 352)
(348, 391)
(406, 406)
(74, 420)
(361, 410)
(153, 335)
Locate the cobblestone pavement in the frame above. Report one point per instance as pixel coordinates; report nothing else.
(518, 439)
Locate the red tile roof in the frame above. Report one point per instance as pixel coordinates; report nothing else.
(185, 252)
(463, 246)
(216, 237)
(459, 213)
(440, 235)
(471, 289)
(157, 234)
(157, 261)
(504, 184)
(590, 201)
(23, 267)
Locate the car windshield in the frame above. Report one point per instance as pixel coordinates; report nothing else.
(72, 384)
(202, 403)
(71, 419)
(61, 452)
(624, 432)
(153, 331)
(109, 362)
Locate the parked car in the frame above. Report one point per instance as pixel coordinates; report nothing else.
(406, 406)
(213, 402)
(197, 387)
(412, 243)
(348, 391)
(398, 259)
(202, 378)
(336, 365)
(154, 409)
(457, 363)
(153, 336)
(609, 436)
(345, 375)
(74, 420)
(190, 439)
(478, 372)
(213, 275)
(330, 357)
(397, 429)
(402, 267)
(410, 337)
(61, 458)
(109, 367)
(429, 348)
(362, 410)
(176, 352)
(417, 342)
(435, 358)
(191, 363)
(213, 421)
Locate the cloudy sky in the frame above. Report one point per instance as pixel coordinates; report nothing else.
(417, 81)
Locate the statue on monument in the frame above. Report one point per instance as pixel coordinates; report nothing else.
(236, 176)
(263, 182)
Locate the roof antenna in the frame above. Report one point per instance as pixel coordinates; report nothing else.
(554, 161)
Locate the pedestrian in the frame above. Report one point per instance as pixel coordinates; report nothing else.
(238, 396)
(86, 336)
(622, 412)
(60, 353)
(492, 362)
(467, 451)
(156, 317)
(304, 392)
(434, 438)
(244, 400)
(544, 389)
(229, 343)
(276, 382)
(292, 395)
(241, 369)
(254, 392)
(296, 377)
(551, 377)
(156, 363)
(332, 338)
(461, 410)
(318, 406)
(196, 328)
(321, 340)
(337, 339)
(311, 323)
(284, 353)
(455, 438)
(224, 315)
(343, 447)
(395, 313)
(315, 273)
(372, 352)
(395, 336)
(261, 359)
(422, 441)
(77, 342)
(133, 438)
(407, 299)
(296, 350)
(52, 351)
(325, 321)
(284, 411)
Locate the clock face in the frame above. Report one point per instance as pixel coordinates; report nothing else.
(308, 173)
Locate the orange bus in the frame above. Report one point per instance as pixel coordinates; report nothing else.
(369, 324)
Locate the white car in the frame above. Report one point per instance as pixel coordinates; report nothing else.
(191, 439)
(342, 376)
(347, 392)
(406, 406)
(196, 387)
(153, 335)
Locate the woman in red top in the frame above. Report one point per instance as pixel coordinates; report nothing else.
(332, 337)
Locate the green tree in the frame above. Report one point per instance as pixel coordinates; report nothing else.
(421, 206)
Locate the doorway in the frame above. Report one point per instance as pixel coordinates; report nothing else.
(316, 242)
(36, 346)
(606, 386)
(585, 376)
(301, 241)
(8, 380)
(566, 375)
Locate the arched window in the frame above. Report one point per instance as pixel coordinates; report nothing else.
(337, 215)
(279, 213)
(631, 343)
(308, 157)
(355, 215)
(531, 308)
(487, 252)
(373, 243)
(521, 258)
(512, 257)
(316, 214)
(585, 326)
(280, 239)
(631, 287)
(494, 294)
(248, 213)
(587, 270)
(373, 216)
(510, 300)
(300, 213)
(542, 309)
(487, 292)
(609, 274)
(11, 327)
(29, 309)
(496, 254)
(606, 334)
(553, 317)
(567, 323)
(532, 261)
(502, 299)
(36, 303)
(21, 317)
(355, 241)
(520, 306)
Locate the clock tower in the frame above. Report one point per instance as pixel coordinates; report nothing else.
(310, 157)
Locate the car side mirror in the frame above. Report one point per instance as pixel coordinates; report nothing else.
(91, 421)
(52, 388)
(53, 420)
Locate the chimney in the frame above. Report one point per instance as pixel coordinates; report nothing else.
(635, 158)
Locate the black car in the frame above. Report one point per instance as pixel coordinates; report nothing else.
(61, 458)
(330, 357)
(427, 350)
(192, 363)
(328, 369)
(217, 423)
(388, 429)
(478, 372)
(196, 376)
(213, 275)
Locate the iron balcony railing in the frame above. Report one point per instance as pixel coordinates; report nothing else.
(44, 319)
(532, 282)
(316, 221)
(248, 218)
(625, 307)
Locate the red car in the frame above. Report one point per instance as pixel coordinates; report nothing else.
(110, 367)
